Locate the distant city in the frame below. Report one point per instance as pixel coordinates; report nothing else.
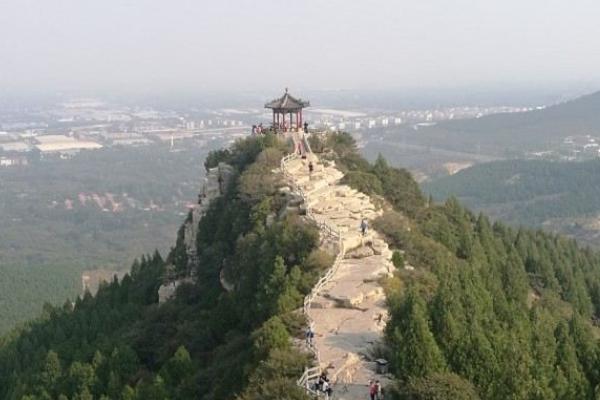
(64, 129)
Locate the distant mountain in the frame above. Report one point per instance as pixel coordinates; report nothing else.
(511, 134)
(562, 196)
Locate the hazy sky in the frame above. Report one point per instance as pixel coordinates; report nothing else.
(306, 44)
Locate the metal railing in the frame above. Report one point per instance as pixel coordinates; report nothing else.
(333, 232)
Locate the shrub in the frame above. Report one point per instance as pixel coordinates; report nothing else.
(317, 145)
(363, 182)
(272, 335)
(398, 259)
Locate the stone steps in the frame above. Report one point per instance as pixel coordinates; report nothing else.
(351, 294)
(369, 268)
(349, 313)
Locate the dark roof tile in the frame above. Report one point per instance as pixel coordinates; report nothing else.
(287, 102)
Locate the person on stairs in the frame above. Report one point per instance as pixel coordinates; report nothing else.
(326, 388)
(311, 167)
(378, 391)
(372, 390)
(310, 334)
(364, 226)
(322, 378)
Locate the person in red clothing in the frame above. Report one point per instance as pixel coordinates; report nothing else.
(372, 390)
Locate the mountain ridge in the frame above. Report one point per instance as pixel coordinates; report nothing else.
(487, 311)
(512, 134)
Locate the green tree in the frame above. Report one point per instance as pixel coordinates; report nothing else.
(52, 370)
(272, 335)
(416, 351)
(570, 382)
(178, 368)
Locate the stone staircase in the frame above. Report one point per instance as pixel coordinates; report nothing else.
(348, 312)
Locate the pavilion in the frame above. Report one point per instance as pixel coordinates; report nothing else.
(287, 104)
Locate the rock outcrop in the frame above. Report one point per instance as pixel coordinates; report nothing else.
(216, 183)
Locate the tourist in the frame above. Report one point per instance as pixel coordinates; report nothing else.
(322, 379)
(260, 128)
(311, 167)
(310, 334)
(378, 391)
(254, 129)
(363, 226)
(372, 390)
(326, 388)
(306, 127)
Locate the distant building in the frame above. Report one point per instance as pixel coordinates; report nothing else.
(63, 145)
(19, 147)
(132, 142)
(13, 160)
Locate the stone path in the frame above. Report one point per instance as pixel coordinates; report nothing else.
(349, 313)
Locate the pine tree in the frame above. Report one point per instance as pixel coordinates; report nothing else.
(543, 345)
(272, 335)
(417, 353)
(51, 371)
(178, 368)
(572, 384)
(514, 279)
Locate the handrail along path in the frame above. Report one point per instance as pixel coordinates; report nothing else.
(329, 230)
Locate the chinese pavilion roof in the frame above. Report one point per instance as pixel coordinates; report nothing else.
(287, 102)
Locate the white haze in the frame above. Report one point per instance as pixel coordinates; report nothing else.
(267, 44)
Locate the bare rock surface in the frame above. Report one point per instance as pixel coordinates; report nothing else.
(349, 312)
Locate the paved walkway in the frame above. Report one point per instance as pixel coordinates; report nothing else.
(349, 313)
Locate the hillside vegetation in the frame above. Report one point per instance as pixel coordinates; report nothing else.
(24, 289)
(207, 343)
(100, 209)
(526, 191)
(489, 312)
(507, 313)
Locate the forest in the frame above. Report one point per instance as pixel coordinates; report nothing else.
(49, 236)
(207, 343)
(528, 192)
(25, 289)
(489, 312)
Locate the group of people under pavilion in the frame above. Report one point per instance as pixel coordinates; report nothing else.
(287, 113)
